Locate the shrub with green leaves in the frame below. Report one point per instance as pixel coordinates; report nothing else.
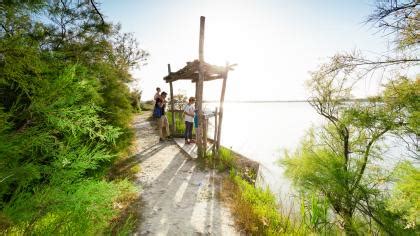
(341, 160)
(82, 208)
(406, 194)
(65, 111)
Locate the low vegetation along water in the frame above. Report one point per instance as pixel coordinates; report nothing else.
(267, 130)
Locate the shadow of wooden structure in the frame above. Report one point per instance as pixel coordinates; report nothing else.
(198, 71)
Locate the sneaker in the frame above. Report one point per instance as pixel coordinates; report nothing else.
(192, 141)
(186, 142)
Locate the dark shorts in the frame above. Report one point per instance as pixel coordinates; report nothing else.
(188, 130)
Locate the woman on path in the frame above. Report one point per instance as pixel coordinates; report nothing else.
(163, 123)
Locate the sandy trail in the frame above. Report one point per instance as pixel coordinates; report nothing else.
(178, 198)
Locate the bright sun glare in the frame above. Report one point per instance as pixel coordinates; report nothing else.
(274, 48)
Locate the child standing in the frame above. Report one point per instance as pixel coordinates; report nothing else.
(189, 120)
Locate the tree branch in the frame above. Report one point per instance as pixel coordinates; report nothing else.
(97, 11)
(5, 29)
(366, 156)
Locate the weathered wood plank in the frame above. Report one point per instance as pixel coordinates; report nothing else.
(190, 149)
(171, 91)
(205, 128)
(208, 78)
(199, 91)
(215, 133)
(191, 71)
(222, 100)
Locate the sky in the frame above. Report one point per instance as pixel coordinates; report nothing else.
(275, 43)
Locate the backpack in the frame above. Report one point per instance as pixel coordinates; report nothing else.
(157, 112)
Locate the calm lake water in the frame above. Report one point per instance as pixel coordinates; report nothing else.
(262, 131)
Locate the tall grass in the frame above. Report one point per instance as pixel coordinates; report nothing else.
(226, 159)
(314, 215)
(256, 210)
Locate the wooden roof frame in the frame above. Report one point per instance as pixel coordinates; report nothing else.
(192, 69)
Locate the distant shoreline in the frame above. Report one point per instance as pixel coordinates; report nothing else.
(280, 101)
(273, 101)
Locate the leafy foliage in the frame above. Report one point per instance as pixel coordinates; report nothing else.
(64, 116)
(338, 162)
(406, 194)
(403, 94)
(81, 208)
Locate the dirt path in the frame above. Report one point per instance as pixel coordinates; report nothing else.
(178, 198)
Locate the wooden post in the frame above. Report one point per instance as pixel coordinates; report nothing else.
(205, 126)
(199, 90)
(222, 100)
(215, 133)
(172, 102)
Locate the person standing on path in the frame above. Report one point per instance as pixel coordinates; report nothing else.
(156, 110)
(189, 120)
(157, 94)
(163, 123)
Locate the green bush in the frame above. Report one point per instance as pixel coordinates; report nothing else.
(406, 194)
(65, 111)
(83, 208)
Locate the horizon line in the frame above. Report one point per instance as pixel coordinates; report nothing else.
(277, 101)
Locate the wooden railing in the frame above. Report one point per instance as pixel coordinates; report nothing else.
(210, 143)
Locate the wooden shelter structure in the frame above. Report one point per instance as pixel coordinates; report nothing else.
(198, 71)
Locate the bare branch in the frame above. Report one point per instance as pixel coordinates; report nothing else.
(92, 2)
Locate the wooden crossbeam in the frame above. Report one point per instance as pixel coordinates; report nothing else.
(209, 78)
(191, 71)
